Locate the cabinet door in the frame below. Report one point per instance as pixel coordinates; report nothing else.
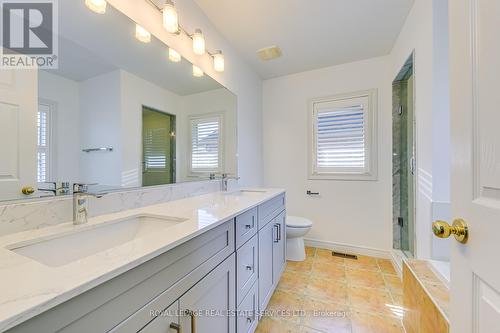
(209, 306)
(166, 322)
(266, 239)
(279, 247)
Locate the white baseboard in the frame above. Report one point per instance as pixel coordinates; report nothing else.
(347, 248)
(397, 261)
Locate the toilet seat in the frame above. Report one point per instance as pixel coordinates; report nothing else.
(298, 222)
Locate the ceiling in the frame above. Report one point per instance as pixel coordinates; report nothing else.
(311, 33)
(91, 44)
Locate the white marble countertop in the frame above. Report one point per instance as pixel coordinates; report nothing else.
(28, 288)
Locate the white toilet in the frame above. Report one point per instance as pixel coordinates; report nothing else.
(296, 228)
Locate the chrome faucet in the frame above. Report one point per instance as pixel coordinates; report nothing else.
(225, 178)
(80, 202)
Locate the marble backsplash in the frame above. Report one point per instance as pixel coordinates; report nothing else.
(34, 214)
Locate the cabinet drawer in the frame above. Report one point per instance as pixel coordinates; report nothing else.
(246, 267)
(246, 226)
(269, 209)
(247, 319)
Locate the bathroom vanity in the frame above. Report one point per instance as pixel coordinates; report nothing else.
(210, 268)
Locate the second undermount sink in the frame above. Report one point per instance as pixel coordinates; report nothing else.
(69, 247)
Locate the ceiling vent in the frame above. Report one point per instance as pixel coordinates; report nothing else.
(269, 53)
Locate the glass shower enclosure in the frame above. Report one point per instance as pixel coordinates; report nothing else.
(403, 160)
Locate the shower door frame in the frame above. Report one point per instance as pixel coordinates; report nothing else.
(412, 58)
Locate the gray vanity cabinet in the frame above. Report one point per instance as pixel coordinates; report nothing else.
(272, 247)
(202, 283)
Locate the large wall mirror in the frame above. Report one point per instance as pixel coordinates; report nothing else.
(117, 113)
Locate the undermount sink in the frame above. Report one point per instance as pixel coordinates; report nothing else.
(243, 192)
(63, 249)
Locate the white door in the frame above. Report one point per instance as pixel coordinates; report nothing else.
(475, 113)
(18, 128)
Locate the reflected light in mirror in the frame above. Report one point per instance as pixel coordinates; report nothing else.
(198, 42)
(173, 55)
(98, 6)
(218, 61)
(197, 71)
(170, 18)
(142, 34)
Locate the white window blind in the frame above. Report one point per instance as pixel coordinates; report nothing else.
(343, 137)
(155, 149)
(43, 131)
(206, 144)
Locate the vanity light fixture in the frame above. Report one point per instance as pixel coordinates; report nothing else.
(142, 34)
(170, 17)
(218, 61)
(173, 55)
(97, 6)
(171, 24)
(197, 72)
(198, 42)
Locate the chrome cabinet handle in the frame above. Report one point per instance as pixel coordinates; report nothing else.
(193, 320)
(279, 231)
(276, 226)
(249, 268)
(176, 327)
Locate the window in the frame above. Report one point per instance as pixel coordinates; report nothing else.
(43, 147)
(206, 153)
(344, 137)
(155, 148)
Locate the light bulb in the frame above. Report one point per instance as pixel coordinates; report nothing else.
(198, 42)
(142, 34)
(170, 18)
(218, 61)
(197, 71)
(173, 55)
(98, 6)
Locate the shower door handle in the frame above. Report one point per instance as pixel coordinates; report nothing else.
(412, 165)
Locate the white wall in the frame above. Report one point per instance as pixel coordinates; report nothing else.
(100, 108)
(426, 33)
(64, 94)
(238, 77)
(357, 213)
(213, 101)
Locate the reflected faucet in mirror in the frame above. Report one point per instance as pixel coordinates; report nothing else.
(80, 202)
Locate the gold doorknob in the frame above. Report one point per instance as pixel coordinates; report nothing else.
(27, 190)
(459, 230)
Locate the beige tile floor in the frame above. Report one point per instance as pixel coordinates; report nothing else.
(334, 295)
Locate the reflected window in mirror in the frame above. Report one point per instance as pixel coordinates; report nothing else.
(206, 154)
(44, 126)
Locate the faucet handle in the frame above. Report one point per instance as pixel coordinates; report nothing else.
(81, 187)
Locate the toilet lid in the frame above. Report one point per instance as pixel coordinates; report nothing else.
(298, 222)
